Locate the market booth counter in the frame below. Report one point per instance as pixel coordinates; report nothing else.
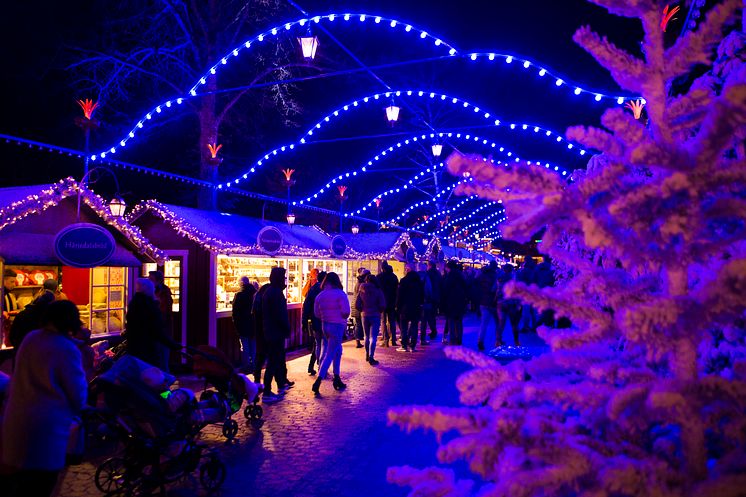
(32, 220)
(392, 246)
(214, 250)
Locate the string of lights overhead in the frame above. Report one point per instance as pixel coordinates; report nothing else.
(309, 44)
(455, 235)
(396, 219)
(454, 222)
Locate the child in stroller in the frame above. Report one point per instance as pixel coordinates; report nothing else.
(158, 429)
(229, 387)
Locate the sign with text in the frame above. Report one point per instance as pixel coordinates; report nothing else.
(84, 245)
(269, 240)
(339, 246)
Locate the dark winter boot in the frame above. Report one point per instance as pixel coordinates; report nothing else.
(338, 385)
(316, 386)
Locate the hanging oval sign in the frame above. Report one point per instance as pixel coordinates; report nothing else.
(84, 245)
(269, 240)
(339, 246)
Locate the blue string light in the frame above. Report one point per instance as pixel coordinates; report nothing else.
(473, 213)
(395, 220)
(539, 130)
(300, 23)
(481, 222)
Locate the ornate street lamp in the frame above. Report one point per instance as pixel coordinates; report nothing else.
(117, 206)
(392, 113)
(355, 229)
(291, 218)
(308, 45)
(437, 149)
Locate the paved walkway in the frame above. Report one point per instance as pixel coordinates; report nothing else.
(336, 445)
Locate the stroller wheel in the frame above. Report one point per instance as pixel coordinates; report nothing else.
(248, 411)
(257, 412)
(212, 474)
(111, 475)
(230, 429)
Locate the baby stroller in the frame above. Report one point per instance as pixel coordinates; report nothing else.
(229, 388)
(157, 428)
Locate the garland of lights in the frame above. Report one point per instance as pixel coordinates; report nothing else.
(392, 23)
(454, 235)
(411, 141)
(465, 217)
(427, 202)
(212, 244)
(68, 187)
(387, 95)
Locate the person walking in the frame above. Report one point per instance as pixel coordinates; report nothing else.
(436, 285)
(428, 307)
(165, 304)
(509, 308)
(332, 307)
(372, 303)
(409, 301)
(454, 301)
(276, 330)
(243, 302)
(261, 342)
(390, 286)
(48, 390)
(355, 312)
(313, 324)
(144, 326)
(487, 283)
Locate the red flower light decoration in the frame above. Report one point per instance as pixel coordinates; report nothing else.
(214, 149)
(288, 174)
(88, 106)
(636, 107)
(378, 202)
(342, 189)
(668, 16)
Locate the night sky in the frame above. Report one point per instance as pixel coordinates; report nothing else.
(39, 99)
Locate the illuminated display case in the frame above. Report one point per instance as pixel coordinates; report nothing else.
(171, 278)
(352, 268)
(108, 298)
(328, 265)
(230, 270)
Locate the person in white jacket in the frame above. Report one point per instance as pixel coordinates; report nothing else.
(332, 307)
(47, 391)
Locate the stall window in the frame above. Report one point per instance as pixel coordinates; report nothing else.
(171, 278)
(230, 270)
(352, 268)
(108, 298)
(328, 265)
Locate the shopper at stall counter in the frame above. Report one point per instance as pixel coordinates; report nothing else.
(8, 304)
(332, 307)
(276, 329)
(165, 304)
(243, 302)
(312, 325)
(389, 285)
(47, 391)
(144, 326)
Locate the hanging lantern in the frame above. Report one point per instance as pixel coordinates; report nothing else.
(291, 218)
(308, 45)
(437, 149)
(117, 206)
(355, 229)
(392, 113)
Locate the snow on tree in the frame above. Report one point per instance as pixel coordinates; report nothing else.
(646, 394)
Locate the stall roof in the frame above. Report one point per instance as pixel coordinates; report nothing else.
(380, 245)
(25, 239)
(233, 233)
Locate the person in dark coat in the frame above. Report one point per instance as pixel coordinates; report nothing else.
(165, 304)
(436, 285)
(243, 302)
(409, 300)
(261, 342)
(313, 324)
(356, 313)
(389, 286)
(371, 303)
(29, 318)
(144, 326)
(509, 308)
(544, 277)
(276, 330)
(487, 284)
(454, 301)
(527, 275)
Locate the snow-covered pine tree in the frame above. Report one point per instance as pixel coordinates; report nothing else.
(646, 394)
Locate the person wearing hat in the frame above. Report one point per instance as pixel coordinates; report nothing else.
(165, 304)
(48, 390)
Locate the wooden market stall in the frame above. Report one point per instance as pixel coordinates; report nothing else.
(32, 217)
(210, 251)
(372, 249)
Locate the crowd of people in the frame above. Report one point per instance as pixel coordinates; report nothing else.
(380, 306)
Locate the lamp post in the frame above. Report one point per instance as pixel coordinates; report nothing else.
(392, 113)
(378, 211)
(355, 229)
(291, 218)
(117, 206)
(341, 189)
(87, 123)
(437, 149)
(308, 45)
(289, 181)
